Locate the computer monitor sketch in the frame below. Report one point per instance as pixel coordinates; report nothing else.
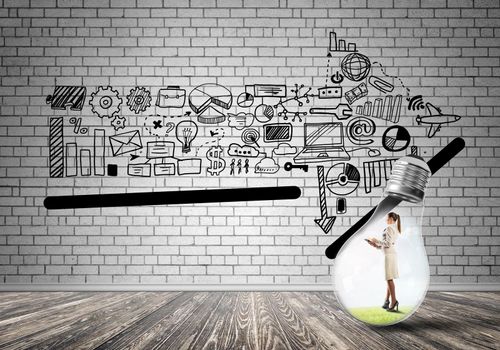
(323, 135)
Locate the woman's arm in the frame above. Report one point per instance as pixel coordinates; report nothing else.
(388, 238)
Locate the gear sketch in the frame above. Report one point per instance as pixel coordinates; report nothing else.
(105, 102)
(139, 99)
(118, 122)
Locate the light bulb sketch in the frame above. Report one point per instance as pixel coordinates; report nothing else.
(186, 132)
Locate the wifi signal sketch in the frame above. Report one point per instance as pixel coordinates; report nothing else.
(416, 103)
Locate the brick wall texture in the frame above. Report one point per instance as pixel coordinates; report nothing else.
(447, 51)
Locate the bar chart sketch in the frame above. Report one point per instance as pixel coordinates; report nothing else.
(56, 148)
(387, 109)
(374, 171)
(340, 45)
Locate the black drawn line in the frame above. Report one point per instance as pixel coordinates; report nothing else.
(341, 112)
(141, 170)
(217, 135)
(277, 132)
(266, 90)
(284, 149)
(356, 93)
(299, 96)
(355, 66)
(126, 142)
(396, 138)
(250, 136)
(244, 151)
(207, 96)
(249, 194)
(77, 123)
(435, 163)
(393, 76)
(156, 125)
(67, 96)
(164, 169)
(171, 97)
(376, 170)
(435, 119)
(105, 102)
(112, 169)
(266, 166)
(414, 151)
(85, 162)
(415, 103)
(160, 149)
(330, 92)
(185, 132)
(360, 129)
(241, 120)
(71, 159)
(342, 179)
(134, 157)
(325, 222)
(190, 166)
(99, 150)
(341, 205)
(56, 148)
(139, 99)
(388, 109)
(337, 79)
(245, 100)
(289, 166)
(118, 122)
(340, 45)
(217, 163)
(322, 142)
(264, 113)
(380, 84)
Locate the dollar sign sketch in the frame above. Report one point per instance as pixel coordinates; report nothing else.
(217, 164)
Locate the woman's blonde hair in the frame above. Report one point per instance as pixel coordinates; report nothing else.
(396, 218)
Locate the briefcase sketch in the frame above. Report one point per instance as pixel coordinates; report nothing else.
(172, 96)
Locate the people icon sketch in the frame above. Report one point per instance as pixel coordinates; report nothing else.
(239, 166)
(246, 166)
(232, 167)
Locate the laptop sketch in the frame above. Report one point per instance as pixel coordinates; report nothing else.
(323, 142)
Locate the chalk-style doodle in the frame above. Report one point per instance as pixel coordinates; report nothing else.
(139, 99)
(396, 138)
(134, 157)
(118, 122)
(77, 126)
(99, 152)
(141, 170)
(112, 170)
(414, 151)
(245, 100)
(376, 170)
(231, 167)
(323, 142)
(266, 166)
(340, 45)
(210, 95)
(355, 94)
(435, 119)
(85, 162)
(337, 79)
(67, 96)
(214, 133)
(380, 84)
(190, 166)
(245, 151)
(389, 110)
(341, 205)
(264, 113)
(71, 159)
(341, 112)
(160, 149)
(355, 66)
(330, 92)
(157, 125)
(227, 195)
(372, 152)
(325, 222)
(289, 166)
(250, 136)
(277, 132)
(284, 149)
(217, 135)
(105, 102)
(415, 103)
(342, 179)
(299, 96)
(217, 163)
(239, 166)
(379, 65)
(360, 129)
(56, 147)
(266, 90)
(246, 166)
(171, 97)
(126, 142)
(164, 169)
(241, 120)
(185, 132)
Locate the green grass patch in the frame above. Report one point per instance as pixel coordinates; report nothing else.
(378, 316)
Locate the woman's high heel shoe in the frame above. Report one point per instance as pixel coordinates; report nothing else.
(395, 308)
(386, 304)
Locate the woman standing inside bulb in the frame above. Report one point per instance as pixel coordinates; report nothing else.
(387, 243)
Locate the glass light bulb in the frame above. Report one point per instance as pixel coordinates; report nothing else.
(361, 271)
(185, 132)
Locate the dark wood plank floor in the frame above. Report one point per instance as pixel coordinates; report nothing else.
(237, 320)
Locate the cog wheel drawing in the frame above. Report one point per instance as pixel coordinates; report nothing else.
(139, 99)
(118, 122)
(105, 102)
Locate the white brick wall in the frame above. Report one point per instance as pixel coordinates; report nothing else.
(445, 49)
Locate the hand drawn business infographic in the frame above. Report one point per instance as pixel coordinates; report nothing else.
(263, 128)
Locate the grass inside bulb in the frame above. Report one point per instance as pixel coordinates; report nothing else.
(361, 270)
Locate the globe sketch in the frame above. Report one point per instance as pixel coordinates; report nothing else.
(355, 66)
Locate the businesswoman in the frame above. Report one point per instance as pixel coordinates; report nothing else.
(389, 238)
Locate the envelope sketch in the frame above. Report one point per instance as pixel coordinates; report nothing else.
(126, 142)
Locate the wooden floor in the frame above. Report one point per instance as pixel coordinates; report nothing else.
(237, 320)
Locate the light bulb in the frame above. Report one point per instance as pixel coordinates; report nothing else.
(185, 132)
(361, 271)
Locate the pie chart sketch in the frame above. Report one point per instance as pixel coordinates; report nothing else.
(342, 179)
(210, 95)
(396, 138)
(245, 99)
